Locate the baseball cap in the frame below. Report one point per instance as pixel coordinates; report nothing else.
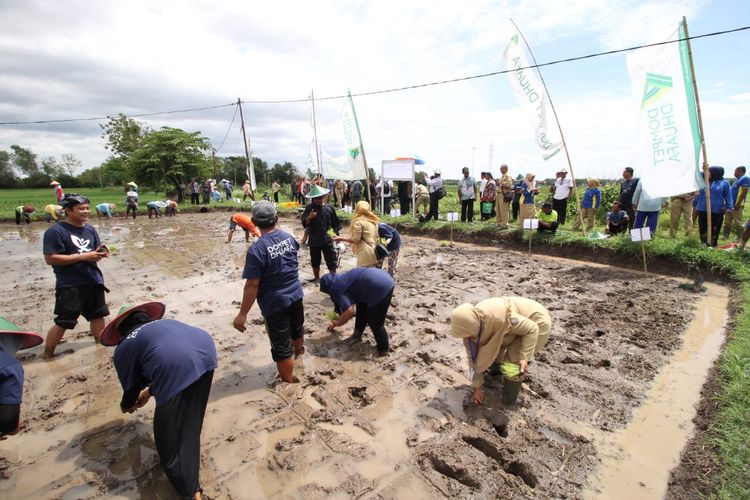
(264, 213)
(72, 199)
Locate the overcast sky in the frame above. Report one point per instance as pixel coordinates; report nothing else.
(79, 59)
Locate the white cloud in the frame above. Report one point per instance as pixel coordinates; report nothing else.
(86, 58)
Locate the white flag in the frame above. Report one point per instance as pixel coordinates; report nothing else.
(351, 139)
(338, 168)
(530, 93)
(668, 136)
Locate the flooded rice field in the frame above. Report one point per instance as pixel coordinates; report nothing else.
(605, 410)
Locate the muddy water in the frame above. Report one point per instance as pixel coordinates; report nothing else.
(356, 425)
(636, 460)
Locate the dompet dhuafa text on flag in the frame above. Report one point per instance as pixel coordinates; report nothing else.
(668, 147)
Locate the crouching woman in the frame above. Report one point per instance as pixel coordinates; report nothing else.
(500, 330)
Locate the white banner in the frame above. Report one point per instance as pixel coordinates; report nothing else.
(338, 168)
(351, 139)
(531, 95)
(668, 137)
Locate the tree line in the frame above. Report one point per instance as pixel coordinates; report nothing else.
(166, 160)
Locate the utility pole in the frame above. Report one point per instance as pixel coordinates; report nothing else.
(213, 161)
(247, 154)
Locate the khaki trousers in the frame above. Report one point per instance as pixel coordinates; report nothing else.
(589, 215)
(528, 210)
(680, 207)
(502, 210)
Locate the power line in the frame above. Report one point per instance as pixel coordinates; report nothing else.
(228, 129)
(97, 118)
(408, 87)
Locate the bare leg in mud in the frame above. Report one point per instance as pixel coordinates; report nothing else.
(286, 370)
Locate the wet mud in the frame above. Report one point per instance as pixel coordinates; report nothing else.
(356, 425)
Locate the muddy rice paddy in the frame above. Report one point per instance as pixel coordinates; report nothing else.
(357, 425)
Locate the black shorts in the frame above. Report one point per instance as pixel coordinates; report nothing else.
(284, 326)
(86, 300)
(328, 252)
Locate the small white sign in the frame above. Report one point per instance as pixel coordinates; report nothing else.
(452, 217)
(530, 223)
(348, 209)
(396, 212)
(640, 234)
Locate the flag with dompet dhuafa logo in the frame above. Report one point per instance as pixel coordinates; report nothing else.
(667, 130)
(532, 96)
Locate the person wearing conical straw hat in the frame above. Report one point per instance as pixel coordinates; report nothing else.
(57, 191)
(500, 330)
(318, 218)
(131, 186)
(175, 363)
(73, 248)
(12, 339)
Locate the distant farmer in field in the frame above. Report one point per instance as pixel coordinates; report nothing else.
(24, 212)
(131, 186)
(131, 203)
(12, 339)
(647, 209)
(363, 235)
(357, 191)
(617, 220)
(562, 188)
(488, 196)
(72, 247)
(272, 278)
(246, 223)
(627, 190)
(154, 208)
(57, 191)
(592, 198)
(527, 202)
(275, 186)
(681, 206)
(504, 197)
(171, 208)
(105, 210)
(53, 212)
(320, 218)
(339, 187)
(500, 330)
(721, 203)
(547, 219)
(393, 239)
(404, 196)
(435, 184)
(246, 189)
(736, 222)
(227, 184)
(467, 193)
(194, 188)
(175, 363)
(370, 290)
(421, 199)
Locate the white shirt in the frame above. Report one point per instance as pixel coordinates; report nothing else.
(562, 188)
(434, 184)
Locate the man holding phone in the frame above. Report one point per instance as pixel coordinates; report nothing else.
(72, 247)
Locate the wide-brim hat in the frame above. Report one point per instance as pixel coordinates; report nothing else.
(54, 183)
(28, 339)
(317, 192)
(131, 183)
(111, 335)
(562, 171)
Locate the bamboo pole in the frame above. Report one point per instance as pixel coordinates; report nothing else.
(643, 250)
(702, 137)
(361, 147)
(247, 151)
(559, 128)
(315, 131)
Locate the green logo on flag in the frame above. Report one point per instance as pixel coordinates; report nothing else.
(514, 39)
(354, 152)
(655, 88)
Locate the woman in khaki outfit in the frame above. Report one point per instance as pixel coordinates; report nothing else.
(363, 235)
(500, 329)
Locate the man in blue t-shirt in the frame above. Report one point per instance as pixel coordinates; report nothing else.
(371, 291)
(175, 363)
(12, 339)
(739, 191)
(73, 248)
(390, 234)
(272, 278)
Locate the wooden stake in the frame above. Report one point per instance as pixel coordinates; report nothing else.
(700, 131)
(531, 235)
(315, 131)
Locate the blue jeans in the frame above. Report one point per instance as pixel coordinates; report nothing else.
(651, 218)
